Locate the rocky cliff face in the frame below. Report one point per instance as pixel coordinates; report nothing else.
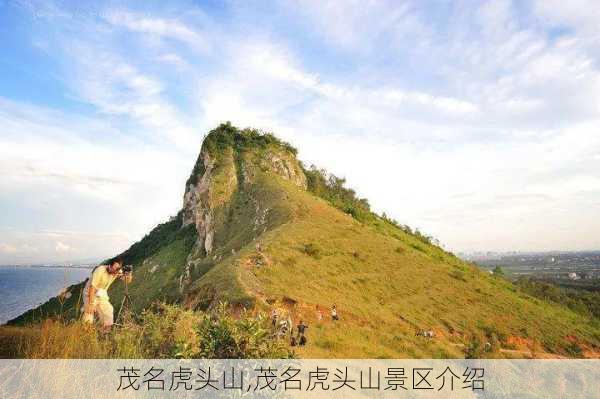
(230, 161)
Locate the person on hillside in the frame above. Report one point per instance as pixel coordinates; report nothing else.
(283, 328)
(334, 313)
(95, 293)
(302, 340)
(301, 328)
(274, 318)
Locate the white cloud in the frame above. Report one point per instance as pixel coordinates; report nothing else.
(356, 25)
(62, 247)
(582, 15)
(103, 179)
(167, 28)
(117, 88)
(174, 59)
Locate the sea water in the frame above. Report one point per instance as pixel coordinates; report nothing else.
(23, 288)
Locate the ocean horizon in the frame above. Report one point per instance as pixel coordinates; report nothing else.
(26, 287)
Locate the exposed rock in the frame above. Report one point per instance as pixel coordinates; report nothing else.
(203, 197)
(219, 174)
(286, 166)
(186, 276)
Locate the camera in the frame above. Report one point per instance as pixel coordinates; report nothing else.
(127, 269)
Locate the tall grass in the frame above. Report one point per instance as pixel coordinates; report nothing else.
(165, 331)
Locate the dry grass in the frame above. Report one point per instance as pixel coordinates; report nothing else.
(386, 290)
(166, 331)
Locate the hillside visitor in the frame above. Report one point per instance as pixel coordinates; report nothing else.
(284, 328)
(302, 340)
(274, 318)
(95, 294)
(334, 313)
(301, 328)
(425, 333)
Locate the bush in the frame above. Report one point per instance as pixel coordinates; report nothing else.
(459, 275)
(581, 301)
(312, 250)
(574, 350)
(475, 348)
(165, 331)
(224, 337)
(331, 188)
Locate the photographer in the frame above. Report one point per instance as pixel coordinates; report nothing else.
(95, 293)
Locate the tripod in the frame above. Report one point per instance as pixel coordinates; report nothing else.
(125, 302)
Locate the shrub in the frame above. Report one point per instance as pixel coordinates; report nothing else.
(312, 250)
(168, 332)
(475, 348)
(580, 301)
(224, 337)
(458, 275)
(573, 349)
(164, 331)
(332, 189)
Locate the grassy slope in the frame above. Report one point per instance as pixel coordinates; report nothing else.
(387, 285)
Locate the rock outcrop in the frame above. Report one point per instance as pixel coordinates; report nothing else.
(229, 161)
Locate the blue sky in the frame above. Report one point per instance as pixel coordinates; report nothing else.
(476, 122)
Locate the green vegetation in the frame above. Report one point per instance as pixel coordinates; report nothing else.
(227, 136)
(312, 250)
(159, 237)
(162, 331)
(578, 300)
(331, 188)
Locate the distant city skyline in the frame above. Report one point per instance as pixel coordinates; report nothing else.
(476, 123)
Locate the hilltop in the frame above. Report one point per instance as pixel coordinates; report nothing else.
(260, 231)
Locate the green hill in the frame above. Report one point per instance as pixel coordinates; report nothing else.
(260, 231)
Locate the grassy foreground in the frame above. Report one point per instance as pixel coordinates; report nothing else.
(164, 331)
